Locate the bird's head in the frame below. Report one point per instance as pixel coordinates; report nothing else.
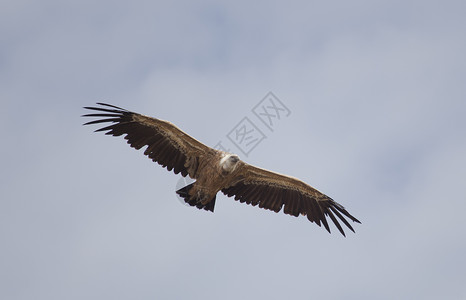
(229, 162)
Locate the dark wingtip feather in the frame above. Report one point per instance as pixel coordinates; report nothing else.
(342, 218)
(101, 115)
(102, 121)
(114, 109)
(345, 212)
(109, 105)
(324, 220)
(337, 224)
(105, 128)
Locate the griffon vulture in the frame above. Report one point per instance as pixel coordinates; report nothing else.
(215, 170)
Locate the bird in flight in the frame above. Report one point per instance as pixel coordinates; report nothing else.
(216, 170)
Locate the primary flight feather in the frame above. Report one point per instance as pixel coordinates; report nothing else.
(216, 170)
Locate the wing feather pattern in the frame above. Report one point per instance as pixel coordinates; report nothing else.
(275, 191)
(166, 144)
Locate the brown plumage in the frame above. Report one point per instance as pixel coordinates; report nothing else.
(215, 170)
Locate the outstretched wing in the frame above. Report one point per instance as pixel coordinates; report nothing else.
(166, 144)
(272, 191)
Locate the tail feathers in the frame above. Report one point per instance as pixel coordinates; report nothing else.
(184, 193)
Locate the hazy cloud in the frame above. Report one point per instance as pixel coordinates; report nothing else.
(376, 93)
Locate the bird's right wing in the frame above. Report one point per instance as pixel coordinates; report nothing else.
(166, 144)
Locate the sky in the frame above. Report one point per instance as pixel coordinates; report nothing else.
(375, 100)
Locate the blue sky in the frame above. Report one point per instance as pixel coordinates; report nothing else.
(377, 99)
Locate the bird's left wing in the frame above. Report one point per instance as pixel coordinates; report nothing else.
(270, 190)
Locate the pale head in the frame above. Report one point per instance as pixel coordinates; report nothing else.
(229, 162)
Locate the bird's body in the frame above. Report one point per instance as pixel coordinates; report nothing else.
(215, 170)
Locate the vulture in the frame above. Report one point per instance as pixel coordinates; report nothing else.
(216, 170)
